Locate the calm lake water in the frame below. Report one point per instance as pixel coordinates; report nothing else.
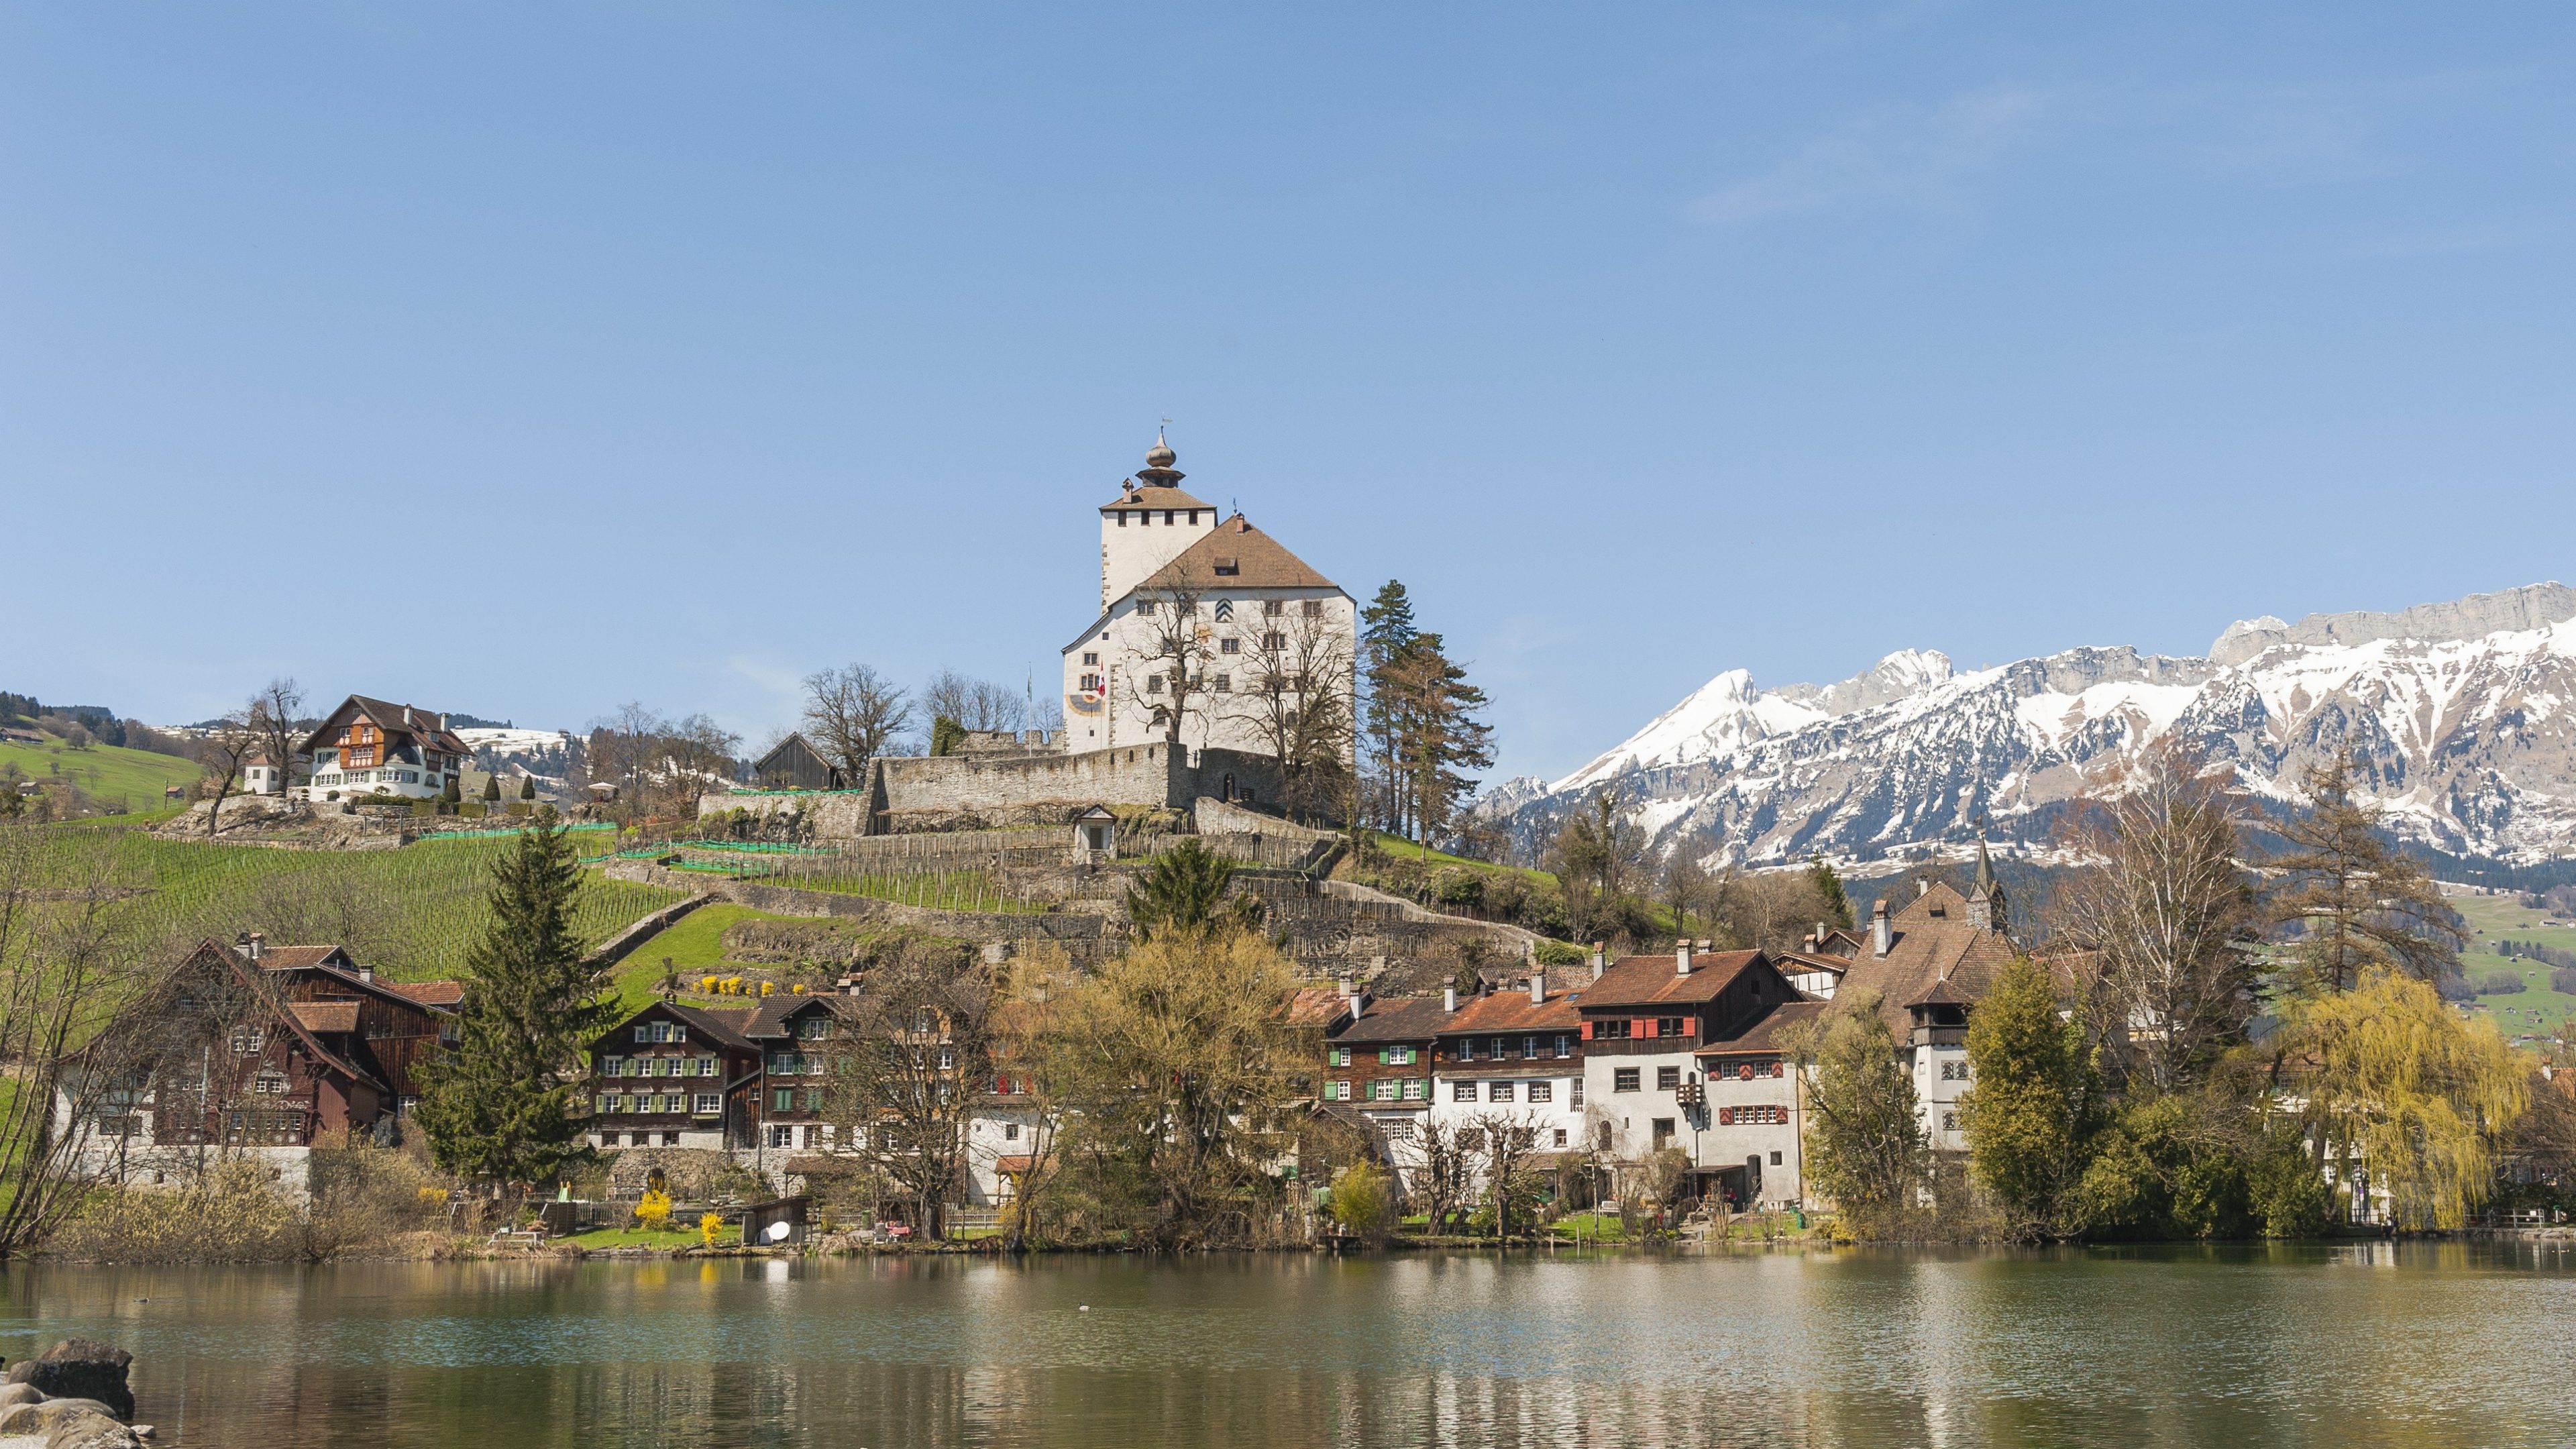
(2376, 1345)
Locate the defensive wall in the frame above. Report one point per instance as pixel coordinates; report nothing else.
(986, 791)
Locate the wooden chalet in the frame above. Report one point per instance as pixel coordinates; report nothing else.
(370, 747)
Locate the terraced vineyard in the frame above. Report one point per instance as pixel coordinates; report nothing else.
(410, 913)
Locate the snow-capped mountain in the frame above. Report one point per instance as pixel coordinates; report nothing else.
(2464, 715)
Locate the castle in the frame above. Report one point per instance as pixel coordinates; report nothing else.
(1210, 632)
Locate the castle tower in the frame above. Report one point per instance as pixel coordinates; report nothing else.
(1148, 524)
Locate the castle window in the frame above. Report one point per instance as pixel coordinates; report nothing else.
(1274, 641)
(1167, 518)
(1229, 567)
(1314, 608)
(1092, 657)
(1271, 608)
(1153, 684)
(1225, 682)
(1194, 516)
(1229, 645)
(1122, 520)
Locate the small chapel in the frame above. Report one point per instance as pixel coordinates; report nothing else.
(1209, 630)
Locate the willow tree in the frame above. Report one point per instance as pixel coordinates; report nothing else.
(2398, 1085)
(1175, 1066)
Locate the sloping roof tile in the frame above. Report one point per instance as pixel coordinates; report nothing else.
(1237, 555)
(326, 1016)
(1650, 980)
(1398, 1018)
(1510, 1011)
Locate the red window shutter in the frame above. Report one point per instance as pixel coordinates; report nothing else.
(1726, 1116)
(1587, 1031)
(1642, 1026)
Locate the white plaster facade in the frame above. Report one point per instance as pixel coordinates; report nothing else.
(1252, 607)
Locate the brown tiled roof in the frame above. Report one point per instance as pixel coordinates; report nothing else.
(724, 1023)
(1015, 1163)
(389, 717)
(431, 993)
(1237, 555)
(1398, 1018)
(1151, 496)
(294, 958)
(1316, 1006)
(1762, 1038)
(1932, 949)
(1510, 1011)
(331, 1016)
(1647, 980)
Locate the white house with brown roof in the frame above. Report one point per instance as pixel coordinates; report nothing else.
(1930, 964)
(369, 747)
(1197, 613)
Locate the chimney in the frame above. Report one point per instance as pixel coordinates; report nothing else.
(442, 723)
(1538, 988)
(1681, 958)
(1600, 958)
(256, 943)
(1878, 927)
(1816, 942)
(1449, 998)
(366, 973)
(1342, 986)
(1922, 886)
(406, 716)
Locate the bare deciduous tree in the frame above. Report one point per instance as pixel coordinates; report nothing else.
(1439, 1180)
(2168, 914)
(274, 712)
(1180, 643)
(973, 704)
(1292, 690)
(227, 747)
(1506, 1157)
(904, 1083)
(853, 715)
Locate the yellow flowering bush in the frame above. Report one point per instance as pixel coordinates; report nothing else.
(654, 1212)
(710, 1228)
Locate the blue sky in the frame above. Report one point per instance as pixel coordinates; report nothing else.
(523, 359)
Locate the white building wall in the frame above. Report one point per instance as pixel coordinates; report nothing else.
(1940, 1080)
(1122, 654)
(1630, 1116)
(1757, 1118)
(1134, 552)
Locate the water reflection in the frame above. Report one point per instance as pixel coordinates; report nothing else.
(2223, 1346)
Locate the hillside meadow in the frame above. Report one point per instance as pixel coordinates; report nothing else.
(410, 914)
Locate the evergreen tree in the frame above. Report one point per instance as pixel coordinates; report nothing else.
(1829, 885)
(499, 1105)
(1438, 736)
(1183, 892)
(1387, 635)
(528, 787)
(2349, 900)
(491, 789)
(2028, 1115)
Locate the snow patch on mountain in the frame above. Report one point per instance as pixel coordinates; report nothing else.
(2458, 712)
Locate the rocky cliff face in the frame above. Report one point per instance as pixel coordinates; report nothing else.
(2463, 715)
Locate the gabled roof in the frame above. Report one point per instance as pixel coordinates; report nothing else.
(326, 1016)
(1761, 1037)
(1654, 981)
(1510, 1011)
(1932, 949)
(335, 963)
(1398, 1018)
(1236, 556)
(293, 958)
(431, 993)
(216, 954)
(1322, 1006)
(427, 725)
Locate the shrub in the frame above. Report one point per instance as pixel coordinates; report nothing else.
(710, 1228)
(1361, 1202)
(1456, 885)
(1559, 953)
(654, 1211)
(2563, 979)
(2499, 983)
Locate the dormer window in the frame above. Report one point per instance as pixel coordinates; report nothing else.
(1229, 567)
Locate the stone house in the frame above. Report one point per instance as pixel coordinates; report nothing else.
(1931, 962)
(1645, 1021)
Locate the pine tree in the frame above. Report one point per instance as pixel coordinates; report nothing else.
(499, 1105)
(2349, 899)
(1183, 892)
(1830, 886)
(528, 787)
(1438, 736)
(491, 789)
(2030, 1111)
(1387, 636)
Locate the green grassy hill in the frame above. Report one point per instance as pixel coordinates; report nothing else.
(2536, 1009)
(411, 914)
(106, 773)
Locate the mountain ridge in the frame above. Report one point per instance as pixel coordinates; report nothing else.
(2462, 714)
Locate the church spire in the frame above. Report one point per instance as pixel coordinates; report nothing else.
(1987, 909)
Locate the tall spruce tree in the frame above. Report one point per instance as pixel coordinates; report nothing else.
(2347, 899)
(499, 1105)
(1829, 887)
(1387, 635)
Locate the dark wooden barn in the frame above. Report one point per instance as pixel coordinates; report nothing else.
(796, 765)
